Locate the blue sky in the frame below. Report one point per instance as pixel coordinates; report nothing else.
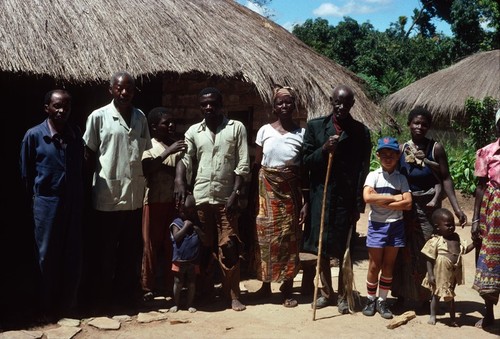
(380, 13)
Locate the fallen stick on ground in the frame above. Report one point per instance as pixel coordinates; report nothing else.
(401, 319)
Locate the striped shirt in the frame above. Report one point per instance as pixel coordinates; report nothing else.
(387, 184)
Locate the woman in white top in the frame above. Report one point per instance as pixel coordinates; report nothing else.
(281, 207)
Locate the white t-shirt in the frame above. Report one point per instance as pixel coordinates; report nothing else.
(390, 184)
(280, 149)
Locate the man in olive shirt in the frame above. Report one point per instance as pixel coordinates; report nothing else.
(217, 157)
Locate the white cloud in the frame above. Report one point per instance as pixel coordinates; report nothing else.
(256, 8)
(349, 8)
(380, 2)
(289, 25)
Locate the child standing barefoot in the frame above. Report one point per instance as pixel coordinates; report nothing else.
(186, 237)
(388, 193)
(158, 165)
(444, 262)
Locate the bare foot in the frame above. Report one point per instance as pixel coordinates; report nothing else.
(173, 309)
(192, 309)
(432, 320)
(236, 305)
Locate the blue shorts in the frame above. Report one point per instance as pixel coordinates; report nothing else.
(384, 234)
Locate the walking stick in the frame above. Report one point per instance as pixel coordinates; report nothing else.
(321, 227)
(348, 274)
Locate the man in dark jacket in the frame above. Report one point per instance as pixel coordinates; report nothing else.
(348, 142)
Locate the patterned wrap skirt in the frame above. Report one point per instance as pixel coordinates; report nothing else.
(410, 267)
(487, 278)
(278, 231)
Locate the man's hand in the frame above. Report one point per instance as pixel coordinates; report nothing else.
(232, 207)
(180, 193)
(331, 144)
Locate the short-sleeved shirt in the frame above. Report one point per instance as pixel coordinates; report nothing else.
(118, 183)
(186, 250)
(280, 149)
(389, 184)
(160, 183)
(216, 161)
(488, 163)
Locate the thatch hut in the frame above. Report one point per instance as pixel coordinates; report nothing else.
(81, 42)
(173, 47)
(444, 92)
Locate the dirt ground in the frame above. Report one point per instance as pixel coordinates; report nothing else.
(271, 320)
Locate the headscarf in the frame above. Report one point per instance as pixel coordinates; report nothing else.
(284, 90)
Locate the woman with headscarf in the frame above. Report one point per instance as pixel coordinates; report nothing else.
(424, 163)
(486, 225)
(281, 207)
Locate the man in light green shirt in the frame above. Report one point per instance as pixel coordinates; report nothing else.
(217, 157)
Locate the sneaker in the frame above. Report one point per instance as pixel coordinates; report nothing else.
(383, 309)
(343, 306)
(370, 307)
(321, 302)
(148, 296)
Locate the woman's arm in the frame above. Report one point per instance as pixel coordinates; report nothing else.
(477, 207)
(444, 171)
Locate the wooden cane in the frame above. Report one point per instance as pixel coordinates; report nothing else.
(348, 274)
(321, 227)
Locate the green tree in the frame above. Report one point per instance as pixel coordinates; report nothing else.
(344, 38)
(317, 34)
(480, 118)
(479, 128)
(468, 20)
(390, 60)
(490, 15)
(466, 27)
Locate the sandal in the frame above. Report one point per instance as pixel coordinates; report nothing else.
(289, 303)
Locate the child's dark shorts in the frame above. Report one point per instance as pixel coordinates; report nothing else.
(381, 234)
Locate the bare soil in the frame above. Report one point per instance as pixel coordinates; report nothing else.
(269, 319)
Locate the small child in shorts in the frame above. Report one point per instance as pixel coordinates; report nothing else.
(388, 193)
(186, 238)
(444, 262)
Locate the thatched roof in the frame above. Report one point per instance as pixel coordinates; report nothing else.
(82, 41)
(444, 92)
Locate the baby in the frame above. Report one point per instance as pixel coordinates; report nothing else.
(444, 262)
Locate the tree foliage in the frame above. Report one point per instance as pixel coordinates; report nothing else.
(409, 49)
(387, 60)
(318, 34)
(479, 130)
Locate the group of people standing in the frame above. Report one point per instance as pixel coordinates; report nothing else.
(155, 192)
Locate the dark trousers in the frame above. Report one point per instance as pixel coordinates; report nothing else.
(116, 261)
